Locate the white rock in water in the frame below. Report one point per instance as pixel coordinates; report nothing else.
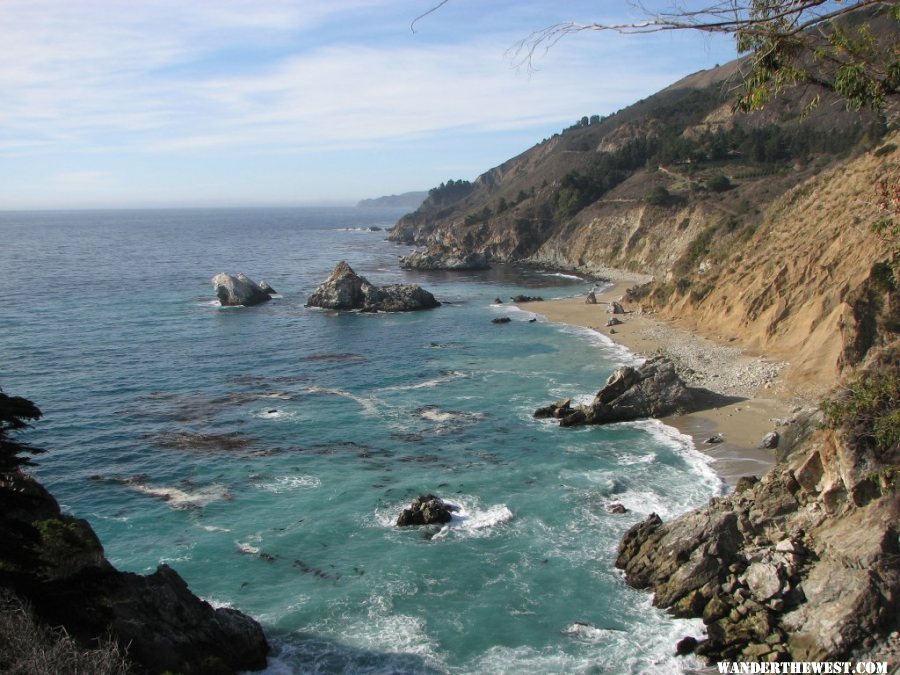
(238, 290)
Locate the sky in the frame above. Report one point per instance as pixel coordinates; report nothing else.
(159, 103)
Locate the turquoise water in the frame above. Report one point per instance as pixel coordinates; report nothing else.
(265, 452)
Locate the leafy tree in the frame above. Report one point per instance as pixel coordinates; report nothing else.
(14, 413)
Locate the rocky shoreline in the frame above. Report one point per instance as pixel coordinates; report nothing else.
(800, 564)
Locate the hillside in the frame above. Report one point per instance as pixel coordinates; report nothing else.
(723, 209)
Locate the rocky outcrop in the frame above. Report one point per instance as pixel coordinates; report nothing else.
(521, 299)
(437, 258)
(653, 390)
(57, 563)
(345, 289)
(427, 510)
(800, 565)
(264, 285)
(238, 290)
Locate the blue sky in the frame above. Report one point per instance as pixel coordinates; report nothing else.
(118, 103)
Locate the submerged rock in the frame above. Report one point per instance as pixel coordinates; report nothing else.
(238, 290)
(653, 390)
(502, 319)
(345, 289)
(427, 510)
(437, 258)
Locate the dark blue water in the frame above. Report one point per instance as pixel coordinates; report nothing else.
(265, 452)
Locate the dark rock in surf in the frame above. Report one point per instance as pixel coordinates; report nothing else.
(653, 390)
(264, 285)
(345, 289)
(238, 290)
(427, 510)
(520, 299)
(502, 319)
(438, 258)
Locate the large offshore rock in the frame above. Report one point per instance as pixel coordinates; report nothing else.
(653, 390)
(345, 289)
(437, 258)
(238, 290)
(426, 510)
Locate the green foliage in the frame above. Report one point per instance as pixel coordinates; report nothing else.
(719, 183)
(886, 149)
(15, 412)
(868, 409)
(846, 57)
(449, 192)
(659, 196)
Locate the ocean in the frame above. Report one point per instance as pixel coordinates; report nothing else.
(265, 452)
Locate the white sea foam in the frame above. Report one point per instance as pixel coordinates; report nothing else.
(275, 414)
(215, 528)
(180, 499)
(288, 483)
(369, 405)
(683, 445)
(245, 547)
(429, 384)
(562, 275)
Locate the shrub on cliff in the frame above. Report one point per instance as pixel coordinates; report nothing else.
(868, 409)
(15, 412)
(29, 647)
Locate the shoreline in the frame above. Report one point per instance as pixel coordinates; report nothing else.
(750, 414)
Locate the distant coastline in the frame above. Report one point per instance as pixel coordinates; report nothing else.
(410, 200)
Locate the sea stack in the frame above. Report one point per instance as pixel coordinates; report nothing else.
(238, 290)
(345, 289)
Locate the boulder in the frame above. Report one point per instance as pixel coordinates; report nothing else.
(264, 285)
(238, 290)
(770, 440)
(613, 321)
(526, 298)
(427, 510)
(437, 258)
(591, 299)
(653, 390)
(345, 289)
(617, 508)
(615, 308)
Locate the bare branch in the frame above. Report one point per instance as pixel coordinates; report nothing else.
(412, 26)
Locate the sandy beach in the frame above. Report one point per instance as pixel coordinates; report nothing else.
(746, 379)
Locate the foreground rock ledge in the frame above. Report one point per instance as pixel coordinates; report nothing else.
(234, 291)
(345, 289)
(57, 563)
(800, 565)
(653, 390)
